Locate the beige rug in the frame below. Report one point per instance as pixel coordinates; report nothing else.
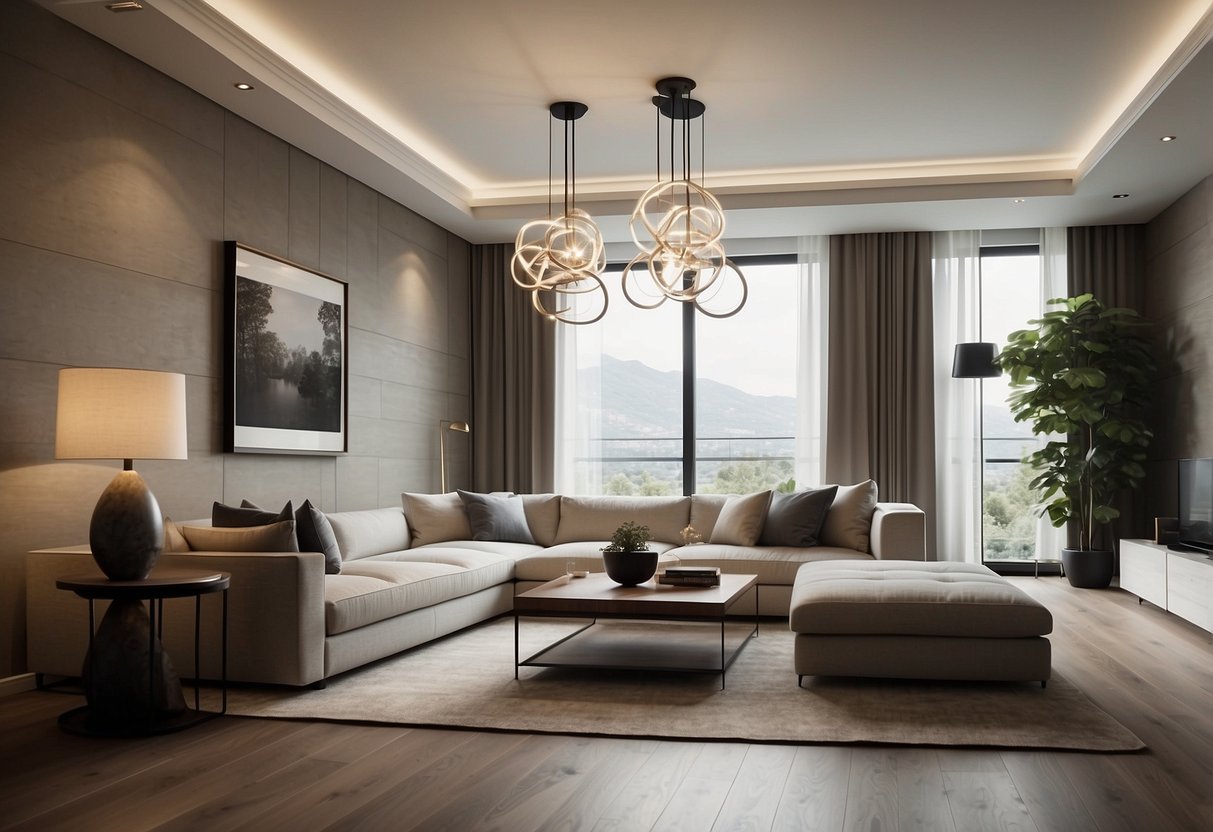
(467, 680)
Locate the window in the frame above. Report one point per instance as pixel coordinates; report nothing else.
(670, 401)
(1010, 297)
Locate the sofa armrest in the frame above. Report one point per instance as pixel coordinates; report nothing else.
(275, 615)
(899, 532)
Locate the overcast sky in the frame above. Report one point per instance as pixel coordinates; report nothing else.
(294, 319)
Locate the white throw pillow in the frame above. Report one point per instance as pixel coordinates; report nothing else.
(434, 518)
(849, 521)
(740, 521)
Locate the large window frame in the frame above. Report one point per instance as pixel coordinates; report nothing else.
(988, 455)
(689, 316)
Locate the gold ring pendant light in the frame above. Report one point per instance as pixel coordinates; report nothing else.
(678, 225)
(559, 261)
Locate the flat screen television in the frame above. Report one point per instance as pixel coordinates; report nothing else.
(1196, 504)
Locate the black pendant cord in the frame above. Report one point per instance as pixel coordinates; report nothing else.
(549, 168)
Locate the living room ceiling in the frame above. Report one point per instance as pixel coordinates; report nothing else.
(821, 117)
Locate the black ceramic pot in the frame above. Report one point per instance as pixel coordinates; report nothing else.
(1087, 569)
(630, 568)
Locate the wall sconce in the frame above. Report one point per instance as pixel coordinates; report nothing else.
(443, 426)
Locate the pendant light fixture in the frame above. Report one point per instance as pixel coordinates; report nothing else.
(678, 224)
(559, 261)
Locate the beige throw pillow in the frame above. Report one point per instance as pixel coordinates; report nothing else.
(174, 540)
(276, 537)
(740, 521)
(849, 521)
(434, 518)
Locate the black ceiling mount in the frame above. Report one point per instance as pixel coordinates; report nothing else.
(568, 110)
(674, 101)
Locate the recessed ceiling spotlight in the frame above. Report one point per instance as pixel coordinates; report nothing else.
(1167, 139)
(125, 6)
(1120, 196)
(1019, 200)
(243, 86)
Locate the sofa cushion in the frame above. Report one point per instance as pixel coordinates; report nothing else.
(315, 534)
(796, 519)
(511, 551)
(912, 598)
(434, 518)
(374, 589)
(174, 540)
(705, 509)
(360, 534)
(276, 537)
(740, 521)
(849, 521)
(494, 517)
(772, 564)
(596, 518)
(542, 516)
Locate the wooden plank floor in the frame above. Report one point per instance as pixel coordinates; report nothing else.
(1151, 670)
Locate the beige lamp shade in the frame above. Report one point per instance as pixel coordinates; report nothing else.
(109, 413)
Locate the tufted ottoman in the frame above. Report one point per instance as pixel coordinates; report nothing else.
(915, 620)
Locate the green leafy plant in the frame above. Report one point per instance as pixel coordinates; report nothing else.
(1083, 373)
(629, 538)
(788, 486)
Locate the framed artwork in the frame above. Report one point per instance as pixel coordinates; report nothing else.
(287, 369)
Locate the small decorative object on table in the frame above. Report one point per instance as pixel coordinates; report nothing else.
(627, 558)
(690, 576)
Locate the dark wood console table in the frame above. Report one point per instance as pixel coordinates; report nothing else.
(127, 648)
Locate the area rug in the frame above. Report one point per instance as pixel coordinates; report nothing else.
(467, 681)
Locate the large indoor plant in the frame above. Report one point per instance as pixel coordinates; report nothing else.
(1082, 376)
(627, 558)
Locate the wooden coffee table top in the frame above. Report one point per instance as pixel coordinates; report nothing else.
(596, 594)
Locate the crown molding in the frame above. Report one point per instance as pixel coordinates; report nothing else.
(229, 40)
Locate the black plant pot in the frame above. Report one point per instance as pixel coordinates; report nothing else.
(1087, 569)
(630, 568)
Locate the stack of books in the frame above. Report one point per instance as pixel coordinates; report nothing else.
(690, 576)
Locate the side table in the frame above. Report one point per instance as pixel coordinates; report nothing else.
(127, 648)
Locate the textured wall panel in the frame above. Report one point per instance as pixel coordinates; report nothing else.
(120, 187)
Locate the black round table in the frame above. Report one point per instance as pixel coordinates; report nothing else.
(127, 647)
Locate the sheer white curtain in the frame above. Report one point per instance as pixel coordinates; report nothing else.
(957, 319)
(578, 410)
(812, 353)
(1053, 284)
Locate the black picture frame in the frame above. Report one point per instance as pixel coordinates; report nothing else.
(286, 358)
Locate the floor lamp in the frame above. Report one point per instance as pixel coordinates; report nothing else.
(975, 359)
(443, 427)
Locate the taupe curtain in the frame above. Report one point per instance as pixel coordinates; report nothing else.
(1109, 262)
(880, 420)
(513, 381)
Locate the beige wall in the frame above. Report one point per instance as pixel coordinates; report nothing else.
(1179, 300)
(117, 186)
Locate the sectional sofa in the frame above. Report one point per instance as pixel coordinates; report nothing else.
(392, 578)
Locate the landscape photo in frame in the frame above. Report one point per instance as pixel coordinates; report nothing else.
(286, 334)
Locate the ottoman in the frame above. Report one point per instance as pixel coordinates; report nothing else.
(915, 620)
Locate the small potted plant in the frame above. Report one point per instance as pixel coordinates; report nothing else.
(627, 558)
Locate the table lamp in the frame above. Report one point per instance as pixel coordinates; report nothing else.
(106, 413)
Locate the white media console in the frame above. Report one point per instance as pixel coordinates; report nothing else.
(1179, 582)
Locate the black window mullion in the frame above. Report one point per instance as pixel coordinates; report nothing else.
(688, 397)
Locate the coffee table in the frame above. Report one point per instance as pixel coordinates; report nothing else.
(684, 646)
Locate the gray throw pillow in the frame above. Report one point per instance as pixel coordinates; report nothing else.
(496, 518)
(247, 515)
(316, 534)
(796, 519)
